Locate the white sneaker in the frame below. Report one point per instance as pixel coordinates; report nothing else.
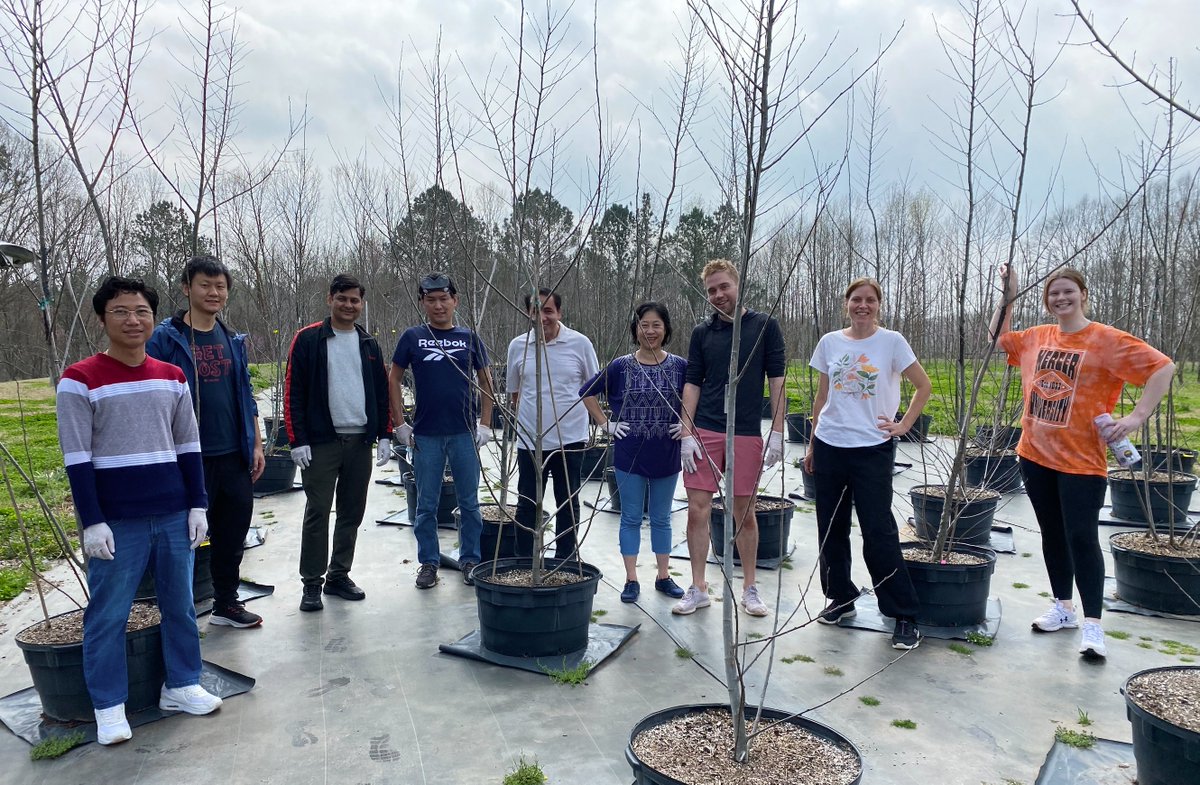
(1091, 642)
(752, 603)
(692, 599)
(111, 725)
(1056, 618)
(192, 699)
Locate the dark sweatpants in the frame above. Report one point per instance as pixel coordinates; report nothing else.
(230, 506)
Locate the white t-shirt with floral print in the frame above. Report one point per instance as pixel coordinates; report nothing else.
(864, 383)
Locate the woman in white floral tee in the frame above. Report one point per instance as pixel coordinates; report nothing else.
(852, 453)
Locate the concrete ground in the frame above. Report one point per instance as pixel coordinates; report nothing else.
(360, 694)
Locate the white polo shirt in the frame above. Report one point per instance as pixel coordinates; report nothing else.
(569, 361)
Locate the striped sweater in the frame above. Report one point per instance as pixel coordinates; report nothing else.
(129, 439)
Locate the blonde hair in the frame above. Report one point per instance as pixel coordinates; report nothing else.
(1071, 274)
(864, 281)
(719, 266)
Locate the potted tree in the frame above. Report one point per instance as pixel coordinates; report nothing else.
(1161, 706)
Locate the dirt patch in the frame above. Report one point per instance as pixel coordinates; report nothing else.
(1144, 543)
(1173, 696)
(493, 513)
(697, 749)
(525, 578)
(925, 556)
(961, 494)
(68, 628)
(1178, 478)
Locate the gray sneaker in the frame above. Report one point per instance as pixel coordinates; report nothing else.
(693, 598)
(752, 603)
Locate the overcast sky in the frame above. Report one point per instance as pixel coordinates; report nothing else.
(341, 58)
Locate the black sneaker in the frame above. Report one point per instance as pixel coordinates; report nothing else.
(345, 588)
(906, 636)
(631, 591)
(427, 576)
(836, 611)
(311, 601)
(234, 615)
(668, 587)
(467, 566)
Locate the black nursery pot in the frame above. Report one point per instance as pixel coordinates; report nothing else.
(1166, 754)
(278, 475)
(614, 492)
(1006, 438)
(596, 458)
(952, 595)
(1000, 473)
(1125, 498)
(1180, 459)
(644, 775)
(57, 671)
(281, 437)
(974, 526)
(799, 427)
(1168, 584)
(810, 482)
(447, 502)
(920, 430)
(774, 529)
(502, 534)
(537, 621)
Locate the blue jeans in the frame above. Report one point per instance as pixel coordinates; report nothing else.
(163, 541)
(430, 456)
(633, 489)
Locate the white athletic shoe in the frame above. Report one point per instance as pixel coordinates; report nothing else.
(693, 598)
(111, 725)
(192, 699)
(1091, 642)
(1056, 618)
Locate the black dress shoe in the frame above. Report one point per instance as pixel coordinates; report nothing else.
(344, 588)
(312, 599)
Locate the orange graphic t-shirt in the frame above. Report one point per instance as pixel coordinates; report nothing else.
(1068, 379)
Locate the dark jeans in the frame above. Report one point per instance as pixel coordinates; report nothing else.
(343, 467)
(1067, 507)
(862, 476)
(230, 505)
(564, 466)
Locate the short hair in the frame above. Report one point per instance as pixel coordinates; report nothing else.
(345, 281)
(719, 266)
(1071, 274)
(864, 281)
(543, 293)
(644, 309)
(115, 285)
(205, 265)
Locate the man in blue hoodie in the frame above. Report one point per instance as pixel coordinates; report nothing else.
(213, 358)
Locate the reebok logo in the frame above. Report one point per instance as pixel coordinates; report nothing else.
(439, 349)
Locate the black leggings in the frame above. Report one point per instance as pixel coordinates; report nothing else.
(1067, 507)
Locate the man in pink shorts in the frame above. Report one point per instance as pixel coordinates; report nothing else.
(761, 356)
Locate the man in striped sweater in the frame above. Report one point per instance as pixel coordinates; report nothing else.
(132, 452)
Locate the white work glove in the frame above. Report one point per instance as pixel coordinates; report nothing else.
(616, 429)
(383, 452)
(676, 431)
(690, 453)
(773, 452)
(483, 434)
(404, 434)
(98, 542)
(302, 456)
(197, 526)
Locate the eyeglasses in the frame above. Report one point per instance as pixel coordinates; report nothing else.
(124, 313)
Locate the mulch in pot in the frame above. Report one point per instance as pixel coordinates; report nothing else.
(68, 628)
(1172, 695)
(949, 557)
(1142, 542)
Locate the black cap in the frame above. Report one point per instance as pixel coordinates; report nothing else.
(436, 282)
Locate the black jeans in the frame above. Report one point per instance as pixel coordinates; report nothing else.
(862, 476)
(230, 505)
(564, 466)
(1067, 507)
(341, 467)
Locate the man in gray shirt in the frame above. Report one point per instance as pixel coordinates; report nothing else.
(335, 405)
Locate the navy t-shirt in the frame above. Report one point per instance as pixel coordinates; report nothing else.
(761, 357)
(647, 397)
(218, 415)
(443, 363)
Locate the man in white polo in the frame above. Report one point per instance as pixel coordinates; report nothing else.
(561, 425)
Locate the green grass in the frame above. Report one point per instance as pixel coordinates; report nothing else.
(1045, 594)
(525, 773)
(1083, 718)
(597, 613)
(1117, 634)
(1175, 648)
(797, 658)
(960, 649)
(979, 639)
(1019, 585)
(906, 724)
(55, 746)
(831, 670)
(1145, 645)
(13, 581)
(753, 636)
(869, 700)
(573, 676)
(1073, 738)
(684, 653)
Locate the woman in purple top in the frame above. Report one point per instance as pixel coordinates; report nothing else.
(643, 391)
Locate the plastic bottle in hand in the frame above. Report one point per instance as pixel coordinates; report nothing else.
(1122, 449)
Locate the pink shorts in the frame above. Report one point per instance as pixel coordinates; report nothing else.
(748, 456)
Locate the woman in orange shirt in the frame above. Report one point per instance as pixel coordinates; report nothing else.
(1071, 372)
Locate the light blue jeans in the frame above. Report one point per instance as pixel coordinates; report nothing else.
(633, 489)
(430, 456)
(161, 540)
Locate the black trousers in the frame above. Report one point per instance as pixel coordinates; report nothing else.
(563, 466)
(861, 476)
(1067, 507)
(230, 505)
